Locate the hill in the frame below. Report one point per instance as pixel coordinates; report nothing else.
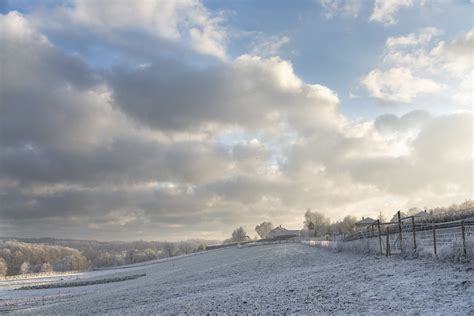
(278, 278)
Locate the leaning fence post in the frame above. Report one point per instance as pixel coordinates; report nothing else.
(380, 237)
(400, 231)
(434, 238)
(413, 229)
(387, 248)
(463, 231)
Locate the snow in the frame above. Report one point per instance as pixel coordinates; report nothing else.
(275, 278)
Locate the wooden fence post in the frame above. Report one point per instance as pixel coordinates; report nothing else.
(463, 231)
(400, 231)
(434, 238)
(413, 229)
(387, 248)
(380, 237)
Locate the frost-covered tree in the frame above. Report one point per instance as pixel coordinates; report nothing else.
(320, 222)
(3, 267)
(264, 229)
(46, 267)
(25, 268)
(413, 211)
(201, 248)
(169, 249)
(348, 224)
(238, 234)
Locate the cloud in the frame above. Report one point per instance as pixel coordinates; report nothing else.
(91, 152)
(344, 7)
(439, 156)
(47, 91)
(398, 85)
(268, 45)
(228, 94)
(391, 124)
(385, 10)
(420, 65)
(423, 37)
(188, 22)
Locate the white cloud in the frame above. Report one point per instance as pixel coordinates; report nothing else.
(398, 85)
(268, 45)
(423, 37)
(420, 65)
(344, 7)
(386, 10)
(186, 21)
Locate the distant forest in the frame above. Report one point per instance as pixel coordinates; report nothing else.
(24, 255)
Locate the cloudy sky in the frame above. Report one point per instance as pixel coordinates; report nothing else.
(185, 119)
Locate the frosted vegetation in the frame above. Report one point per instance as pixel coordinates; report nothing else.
(55, 255)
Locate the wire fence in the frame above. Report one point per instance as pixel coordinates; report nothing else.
(408, 236)
(8, 306)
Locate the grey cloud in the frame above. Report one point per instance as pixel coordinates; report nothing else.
(441, 155)
(44, 92)
(251, 92)
(123, 161)
(390, 123)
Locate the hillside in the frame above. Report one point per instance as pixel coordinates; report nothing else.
(282, 278)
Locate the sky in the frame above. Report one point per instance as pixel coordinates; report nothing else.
(171, 120)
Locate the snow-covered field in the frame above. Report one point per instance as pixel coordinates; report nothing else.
(280, 278)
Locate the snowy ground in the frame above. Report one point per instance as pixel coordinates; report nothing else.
(282, 278)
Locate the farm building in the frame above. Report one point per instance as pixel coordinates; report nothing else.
(364, 223)
(281, 232)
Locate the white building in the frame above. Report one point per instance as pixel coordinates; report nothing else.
(280, 232)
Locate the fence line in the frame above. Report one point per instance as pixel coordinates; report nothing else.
(406, 236)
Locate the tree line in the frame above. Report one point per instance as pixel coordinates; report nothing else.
(321, 225)
(48, 254)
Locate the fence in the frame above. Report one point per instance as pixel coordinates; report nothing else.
(8, 306)
(408, 236)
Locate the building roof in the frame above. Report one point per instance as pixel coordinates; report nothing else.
(366, 221)
(281, 231)
(278, 229)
